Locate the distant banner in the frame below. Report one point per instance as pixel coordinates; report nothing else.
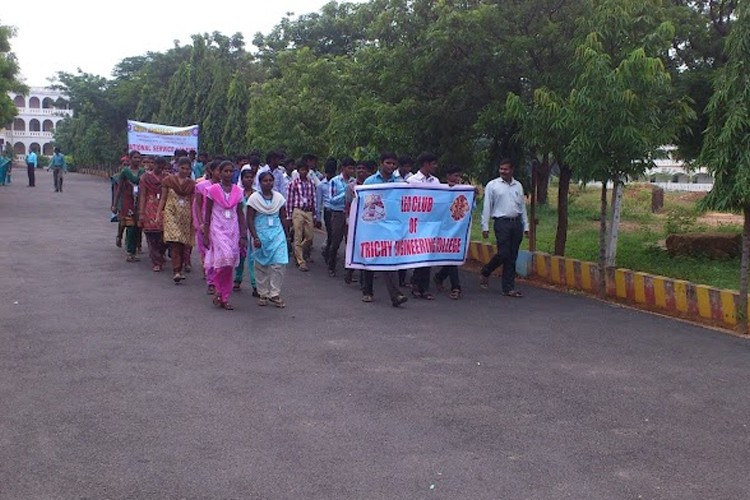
(154, 139)
(400, 226)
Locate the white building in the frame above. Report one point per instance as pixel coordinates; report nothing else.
(37, 120)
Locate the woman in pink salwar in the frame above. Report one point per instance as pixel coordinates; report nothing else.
(224, 231)
(199, 212)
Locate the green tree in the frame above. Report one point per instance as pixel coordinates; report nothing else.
(8, 76)
(726, 148)
(623, 105)
(234, 135)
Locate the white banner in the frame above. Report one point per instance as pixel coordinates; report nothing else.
(155, 139)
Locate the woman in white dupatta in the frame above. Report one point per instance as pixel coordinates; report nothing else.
(266, 219)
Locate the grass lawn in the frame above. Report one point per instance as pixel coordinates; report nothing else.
(641, 240)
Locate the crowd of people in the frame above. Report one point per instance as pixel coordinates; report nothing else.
(247, 215)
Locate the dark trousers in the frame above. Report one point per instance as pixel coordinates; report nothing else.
(177, 254)
(391, 283)
(131, 239)
(327, 223)
(420, 279)
(57, 176)
(156, 247)
(450, 272)
(509, 234)
(401, 277)
(337, 223)
(31, 170)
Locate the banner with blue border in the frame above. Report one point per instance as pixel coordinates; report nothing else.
(402, 226)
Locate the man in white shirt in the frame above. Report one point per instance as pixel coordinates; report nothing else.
(504, 203)
(420, 280)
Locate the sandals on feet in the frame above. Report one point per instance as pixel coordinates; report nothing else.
(455, 294)
(262, 301)
(277, 302)
(513, 293)
(367, 298)
(237, 287)
(211, 290)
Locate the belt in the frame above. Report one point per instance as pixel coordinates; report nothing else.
(511, 219)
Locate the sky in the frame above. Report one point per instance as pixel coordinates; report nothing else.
(66, 35)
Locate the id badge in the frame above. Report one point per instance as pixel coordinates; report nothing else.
(270, 221)
(227, 214)
(158, 196)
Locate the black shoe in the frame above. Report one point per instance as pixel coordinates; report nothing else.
(400, 299)
(255, 293)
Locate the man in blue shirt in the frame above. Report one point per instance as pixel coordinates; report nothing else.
(58, 166)
(338, 187)
(322, 201)
(388, 163)
(31, 164)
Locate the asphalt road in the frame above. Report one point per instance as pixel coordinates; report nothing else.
(115, 383)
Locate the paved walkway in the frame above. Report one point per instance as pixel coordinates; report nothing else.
(115, 383)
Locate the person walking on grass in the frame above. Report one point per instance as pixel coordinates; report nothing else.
(269, 227)
(175, 213)
(224, 232)
(504, 203)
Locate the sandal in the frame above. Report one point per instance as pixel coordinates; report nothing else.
(455, 294)
(416, 294)
(132, 258)
(217, 301)
(228, 306)
(367, 298)
(428, 296)
(211, 290)
(262, 301)
(277, 302)
(237, 287)
(156, 269)
(513, 293)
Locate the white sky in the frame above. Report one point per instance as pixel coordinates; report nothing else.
(60, 35)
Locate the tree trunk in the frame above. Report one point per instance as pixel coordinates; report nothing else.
(563, 191)
(543, 170)
(614, 225)
(742, 306)
(603, 242)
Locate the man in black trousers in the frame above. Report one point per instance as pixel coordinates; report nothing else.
(504, 203)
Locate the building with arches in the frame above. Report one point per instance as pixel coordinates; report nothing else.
(39, 113)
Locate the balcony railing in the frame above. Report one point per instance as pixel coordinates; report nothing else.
(45, 111)
(26, 134)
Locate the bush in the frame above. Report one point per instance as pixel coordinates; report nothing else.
(680, 220)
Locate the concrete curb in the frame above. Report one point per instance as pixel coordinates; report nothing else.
(669, 296)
